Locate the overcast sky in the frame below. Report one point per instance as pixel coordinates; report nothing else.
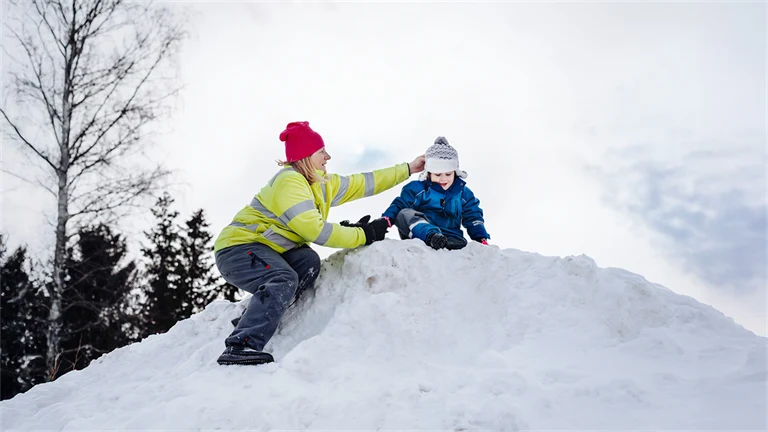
(632, 133)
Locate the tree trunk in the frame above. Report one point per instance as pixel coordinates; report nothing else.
(54, 317)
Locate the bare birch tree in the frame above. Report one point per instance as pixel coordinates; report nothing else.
(90, 79)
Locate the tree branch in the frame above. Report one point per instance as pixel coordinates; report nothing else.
(61, 47)
(39, 183)
(37, 68)
(90, 346)
(125, 108)
(21, 136)
(123, 143)
(120, 193)
(83, 304)
(63, 16)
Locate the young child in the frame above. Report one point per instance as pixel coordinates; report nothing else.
(434, 207)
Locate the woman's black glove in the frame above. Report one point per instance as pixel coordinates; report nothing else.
(359, 224)
(375, 230)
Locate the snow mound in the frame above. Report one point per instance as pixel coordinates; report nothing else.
(399, 336)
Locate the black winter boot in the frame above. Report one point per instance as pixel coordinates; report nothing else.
(437, 241)
(244, 355)
(455, 243)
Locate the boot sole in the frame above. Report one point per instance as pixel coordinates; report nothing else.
(244, 362)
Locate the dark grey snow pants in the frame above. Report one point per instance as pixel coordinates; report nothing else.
(274, 279)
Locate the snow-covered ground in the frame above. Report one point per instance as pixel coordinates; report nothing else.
(398, 336)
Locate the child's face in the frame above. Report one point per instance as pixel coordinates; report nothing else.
(445, 179)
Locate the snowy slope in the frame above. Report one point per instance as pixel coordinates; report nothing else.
(398, 336)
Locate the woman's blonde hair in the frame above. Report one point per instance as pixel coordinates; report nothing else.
(304, 167)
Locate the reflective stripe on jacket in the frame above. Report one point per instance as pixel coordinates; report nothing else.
(288, 212)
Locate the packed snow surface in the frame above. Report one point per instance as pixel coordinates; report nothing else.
(399, 336)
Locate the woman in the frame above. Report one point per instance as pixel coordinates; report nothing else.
(265, 250)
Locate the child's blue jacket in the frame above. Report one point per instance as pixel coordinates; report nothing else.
(446, 209)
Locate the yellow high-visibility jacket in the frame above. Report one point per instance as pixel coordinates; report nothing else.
(288, 212)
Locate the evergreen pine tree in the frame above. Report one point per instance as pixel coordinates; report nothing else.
(22, 326)
(179, 272)
(197, 279)
(96, 301)
(164, 304)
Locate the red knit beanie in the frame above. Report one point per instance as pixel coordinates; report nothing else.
(300, 141)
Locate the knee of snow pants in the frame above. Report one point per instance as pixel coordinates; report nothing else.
(306, 263)
(411, 223)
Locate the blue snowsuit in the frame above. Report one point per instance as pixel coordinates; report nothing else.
(424, 208)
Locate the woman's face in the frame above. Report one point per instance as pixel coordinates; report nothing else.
(319, 159)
